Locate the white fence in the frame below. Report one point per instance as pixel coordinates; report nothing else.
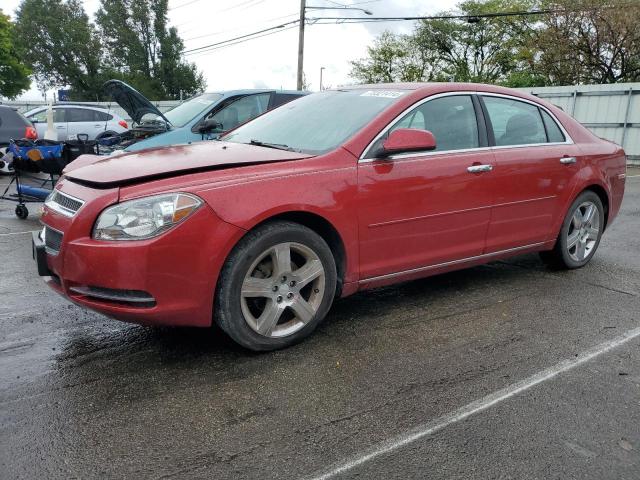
(609, 111)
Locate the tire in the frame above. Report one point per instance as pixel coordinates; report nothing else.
(107, 133)
(21, 212)
(578, 239)
(264, 301)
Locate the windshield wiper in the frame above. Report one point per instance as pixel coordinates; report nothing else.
(277, 146)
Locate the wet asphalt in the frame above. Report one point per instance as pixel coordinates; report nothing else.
(82, 396)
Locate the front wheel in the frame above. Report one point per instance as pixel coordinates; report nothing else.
(276, 286)
(580, 234)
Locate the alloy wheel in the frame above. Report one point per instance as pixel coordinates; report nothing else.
(282, 290)
(584, 231)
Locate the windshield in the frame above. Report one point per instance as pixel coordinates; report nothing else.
(185, 112)
(316, 123)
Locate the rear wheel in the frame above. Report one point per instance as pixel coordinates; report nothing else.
(580, 234)
(276, 286)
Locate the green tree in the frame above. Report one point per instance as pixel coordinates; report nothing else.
(143, 51)
(60, 45)
(394, 58)
(482, 50)
(589, 41)
(14, 75)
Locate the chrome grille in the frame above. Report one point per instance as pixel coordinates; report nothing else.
(63, 203)
(52, 240)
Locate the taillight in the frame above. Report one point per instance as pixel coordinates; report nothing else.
(123, 124)
(31, 133)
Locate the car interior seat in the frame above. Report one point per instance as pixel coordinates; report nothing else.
(521, 128)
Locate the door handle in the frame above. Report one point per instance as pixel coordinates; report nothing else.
(479, 168)
(568, 160)
(61, 127)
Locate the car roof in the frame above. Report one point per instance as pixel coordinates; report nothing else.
(440, 87)
(249, 91)
(77, 105)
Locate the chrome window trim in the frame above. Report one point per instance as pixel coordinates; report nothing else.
(62, 210)
(363, 157)
(568, 139)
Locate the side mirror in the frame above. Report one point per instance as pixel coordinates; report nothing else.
(404, 140)
(209, 125)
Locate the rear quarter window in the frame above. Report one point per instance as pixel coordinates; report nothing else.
(554, 133)
(282, 98)
(102, 116)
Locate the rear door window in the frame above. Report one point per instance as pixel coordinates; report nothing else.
(515, 122)
(80, 115)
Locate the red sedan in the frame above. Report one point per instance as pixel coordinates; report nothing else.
(333, 193)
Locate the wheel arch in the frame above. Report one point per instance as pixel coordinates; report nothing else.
(322, 227)
(604, 198)
(106, 133)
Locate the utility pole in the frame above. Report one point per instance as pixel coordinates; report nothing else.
(303, 8)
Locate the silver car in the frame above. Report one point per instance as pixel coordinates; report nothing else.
(69, 120)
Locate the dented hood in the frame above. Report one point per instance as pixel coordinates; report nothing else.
(106, 172)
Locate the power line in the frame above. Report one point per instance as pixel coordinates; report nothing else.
(277, 27)
(236, 29)
(204, 52)
(183, 5)
(335, 20)
(439, 17)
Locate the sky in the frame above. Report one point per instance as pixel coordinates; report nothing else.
(271, 61)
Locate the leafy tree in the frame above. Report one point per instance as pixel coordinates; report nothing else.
(394, 58)
(589, 41)
(140, 49)
(14, 75)
(485, 50)
(60, 45)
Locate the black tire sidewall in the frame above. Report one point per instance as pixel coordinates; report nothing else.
(228, 313)
(562, 240)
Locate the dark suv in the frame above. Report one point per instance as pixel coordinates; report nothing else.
(13, 125)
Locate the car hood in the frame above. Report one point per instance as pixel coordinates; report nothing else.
(132, 101)
(152, 164)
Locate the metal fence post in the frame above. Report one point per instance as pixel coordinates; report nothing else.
(575, 99)
(627, 114)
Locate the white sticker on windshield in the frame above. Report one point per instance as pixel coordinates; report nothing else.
(382, 93)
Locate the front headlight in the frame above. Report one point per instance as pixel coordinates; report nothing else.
(144, 217)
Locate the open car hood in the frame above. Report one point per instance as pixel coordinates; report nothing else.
(132, 101)
(153, 164)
